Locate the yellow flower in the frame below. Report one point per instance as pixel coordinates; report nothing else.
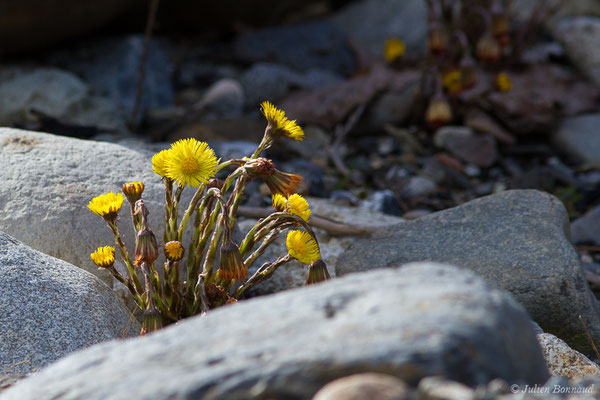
(159, 165)
(190, 162)
(104, 257)
(452, 81)
(503, 82)
(106, 205)
(394, 48)
(174, 250)
(302, 247)
(279, 124)
(294, 204)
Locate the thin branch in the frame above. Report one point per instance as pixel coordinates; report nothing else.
(143, 57)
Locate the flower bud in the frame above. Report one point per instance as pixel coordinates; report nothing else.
(438, 112)
(151, 321)
(317, 272)
(468, 72)
(488, 49)
(215, 183)
(437, 40)
(232, 266)
(146, 249)
(133, 191)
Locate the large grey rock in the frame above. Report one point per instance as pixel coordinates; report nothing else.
(369, 23)
(50, 308)
(421, 320)
(517, 240)
(48, 182)
(579, 137)
(579, 36)
(55, 93)
(316, 44)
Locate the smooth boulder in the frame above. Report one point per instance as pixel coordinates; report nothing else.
(48, 183)
(421, 320)
(50, 308)
(517, 240)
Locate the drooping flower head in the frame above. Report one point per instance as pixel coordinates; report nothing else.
(277, 181)
(302, 247)
(190, 162)
(174, 250)
(232, 266)
(133, 191)
(279, 124)
(294, 204)
(146, 248)
(159, 164)
(317, 272)
(104, 257)
(107, 205)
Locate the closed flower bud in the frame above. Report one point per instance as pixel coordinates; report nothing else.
(146, 249)
(215, 183)
(488, 49)
(468, 72)
(317, 272)
(232, 266)
(438, 112)
(174, 250)
(500, 23)
(133, 191)
(437, 40)
(151, 321)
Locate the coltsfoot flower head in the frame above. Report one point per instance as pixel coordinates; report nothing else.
(107, 205)
(503, 82)
(279, 124)
(232, 266)
(104, 257)
(302, 247)
(317, 272)
(394, 49)
(159, 163)
(174, 250)
(190, 162)
(146, 248)
(133, 191)
(294, 204)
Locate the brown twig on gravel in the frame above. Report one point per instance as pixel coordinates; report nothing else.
(143, 57)
(332, 227)
(340, 131)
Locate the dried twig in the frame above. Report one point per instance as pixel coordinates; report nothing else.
(589, 337)
(333, 228)
(143, 57)
(340, 131)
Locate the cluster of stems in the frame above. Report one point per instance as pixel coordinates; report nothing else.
(216, 269)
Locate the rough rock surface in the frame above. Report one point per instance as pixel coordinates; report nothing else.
(420, 320)
(563, 360)
(48, 183)
(517, 240)
(50, 308)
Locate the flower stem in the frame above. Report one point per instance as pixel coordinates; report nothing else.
(263, 273)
